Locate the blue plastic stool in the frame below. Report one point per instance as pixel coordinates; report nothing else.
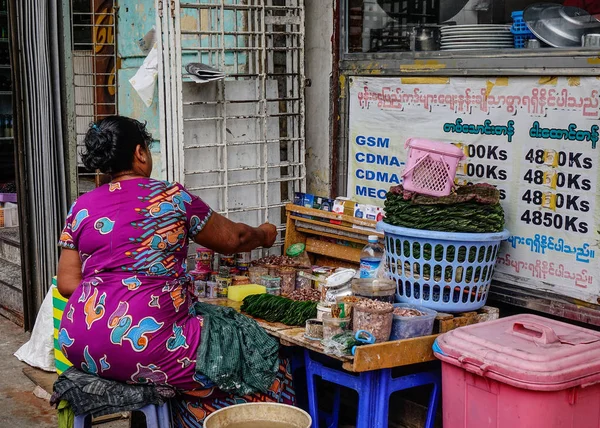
(156, 417)
(387, 385)
(362, 383)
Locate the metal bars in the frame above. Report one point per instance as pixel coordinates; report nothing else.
(94, 53)
(241, 140)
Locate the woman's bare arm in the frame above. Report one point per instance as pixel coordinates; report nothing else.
(69, 272)
(226, 237)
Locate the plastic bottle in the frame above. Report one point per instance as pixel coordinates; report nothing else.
(370, 258)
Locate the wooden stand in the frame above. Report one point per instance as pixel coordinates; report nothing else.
(307, 225)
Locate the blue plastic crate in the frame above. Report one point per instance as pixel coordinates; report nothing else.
(520, 31)
(443, 271)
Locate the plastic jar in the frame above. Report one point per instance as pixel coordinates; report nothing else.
(270, 282)
(256, 272)
(313, 329)
(288, 280)
(301, 281)
(375, 317)
(275, 291)
(375, 289)
(322, 310)
(417, 322)
(227, 260)
(204, 258)
(211, 290)
(223, 284)
(333, 326)
(240, 280)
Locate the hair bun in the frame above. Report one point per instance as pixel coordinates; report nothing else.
(111, 143)
(100, 150)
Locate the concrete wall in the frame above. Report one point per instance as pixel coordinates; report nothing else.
(135, 19)
(318, 68)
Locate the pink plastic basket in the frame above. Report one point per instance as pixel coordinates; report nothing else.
(431, 166)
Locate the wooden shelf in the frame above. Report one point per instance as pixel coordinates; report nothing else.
(301, 229)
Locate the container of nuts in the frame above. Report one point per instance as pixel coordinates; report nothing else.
(375, 317)
(288, 280)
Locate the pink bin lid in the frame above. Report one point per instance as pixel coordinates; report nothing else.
(525, 351)
(439, 147)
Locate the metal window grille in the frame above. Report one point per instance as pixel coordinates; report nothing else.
(94, 52)
(242, 145)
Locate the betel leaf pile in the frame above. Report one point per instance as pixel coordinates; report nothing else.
(470, 209)
(279, 309)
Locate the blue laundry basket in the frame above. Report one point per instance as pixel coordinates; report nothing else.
(447, 272)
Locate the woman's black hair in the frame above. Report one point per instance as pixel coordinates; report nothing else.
(111, 142)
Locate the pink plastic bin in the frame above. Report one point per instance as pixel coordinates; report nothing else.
(524, 371)
(431, 166)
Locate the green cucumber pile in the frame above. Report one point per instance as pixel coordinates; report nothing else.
(279, 309)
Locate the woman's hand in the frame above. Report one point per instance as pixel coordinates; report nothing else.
(270, 234)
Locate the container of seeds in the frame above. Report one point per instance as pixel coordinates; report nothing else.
(303, 282)
(333, 326)
(288, 280)
(375, 317)
(375, 289)
(411, 321)
(314, 329)
(270, 282)
(256, 272)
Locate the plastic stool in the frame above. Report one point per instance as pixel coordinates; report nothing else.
(362, 383)
(156, 417)
(387, 385)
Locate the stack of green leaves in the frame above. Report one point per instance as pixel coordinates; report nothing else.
(472, 209)
(279, 309)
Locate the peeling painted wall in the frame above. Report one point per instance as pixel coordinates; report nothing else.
(318, 68)
(135, 18)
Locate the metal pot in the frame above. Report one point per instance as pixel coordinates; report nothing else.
(426, 37)
(591, 41)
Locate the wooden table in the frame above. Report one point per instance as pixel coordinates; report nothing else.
(369, 370)
(379, 355)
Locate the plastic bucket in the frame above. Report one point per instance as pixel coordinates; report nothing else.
(259, 415)
(443, 271)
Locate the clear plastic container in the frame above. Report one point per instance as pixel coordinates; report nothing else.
(288, 280)
(405, 327)
(301, 281)
(211, 290)
(270, 282)
(376, 319)
(370, 257)
(275, 291)
(314, 329)
(322, 310)
(333, 326)
(383, 290)
(256, 272)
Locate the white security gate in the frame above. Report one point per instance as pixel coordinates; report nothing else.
(239, 142)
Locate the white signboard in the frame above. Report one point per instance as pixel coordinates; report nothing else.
(535, 139)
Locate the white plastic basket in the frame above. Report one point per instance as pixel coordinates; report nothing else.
(431, 167)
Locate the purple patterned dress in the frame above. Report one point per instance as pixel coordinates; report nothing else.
(129, 318)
